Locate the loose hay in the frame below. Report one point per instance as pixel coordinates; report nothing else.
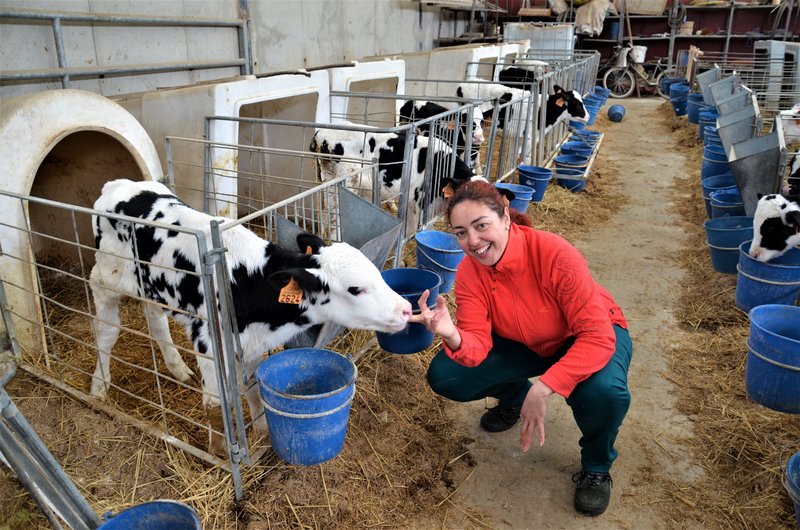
(741, 445)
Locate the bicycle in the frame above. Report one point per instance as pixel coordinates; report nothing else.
(622, 79)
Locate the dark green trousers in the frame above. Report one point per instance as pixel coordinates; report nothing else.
(599, 403)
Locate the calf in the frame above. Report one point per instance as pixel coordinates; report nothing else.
(792, 188)
(776, 227)
(388, 149)
(489, 93)
(334, 283)
(412, 111)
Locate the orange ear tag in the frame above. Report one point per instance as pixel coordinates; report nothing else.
(448, 191)
(308, 253)
(560, 102)
(291, 293)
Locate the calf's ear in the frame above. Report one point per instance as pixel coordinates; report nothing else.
(793, 219)
(557, 89)
(759, 195)
(306, 281)
(306, 241)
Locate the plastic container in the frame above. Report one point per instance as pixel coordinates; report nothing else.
(616, 113)
(723, 181)
(522, 195)
(726, 202)
(723, 237)
(791, 481)
(307, 394)
(439, 252)
(410, 284)
(535, 177)
(693, 103)
(154, 515)
(715, 161)
(772, 373)
(771, 282)
(571, 162)
(570, 178)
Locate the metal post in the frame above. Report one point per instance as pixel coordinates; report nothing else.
(62, 58)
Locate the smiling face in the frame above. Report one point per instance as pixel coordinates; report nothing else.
(480, 231)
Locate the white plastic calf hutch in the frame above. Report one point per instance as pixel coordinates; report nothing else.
(181, 112)
(61, 145)
(375, 77)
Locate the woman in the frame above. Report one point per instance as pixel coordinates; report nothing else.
(527, 306)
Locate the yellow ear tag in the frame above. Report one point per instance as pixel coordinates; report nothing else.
(448, 191)
(309, 251)
(291, 293)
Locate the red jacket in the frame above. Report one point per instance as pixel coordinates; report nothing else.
(540, 293)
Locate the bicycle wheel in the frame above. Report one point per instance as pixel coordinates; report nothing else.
(619, 81)
(659, 86)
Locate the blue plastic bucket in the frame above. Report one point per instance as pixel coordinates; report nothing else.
(708, 133)
(772, 282)
(586, 151)
(570, 178)
(307, 394)
(667, 82)
(616, 113)
(678, 89)
(577, 124)
(791, 481)
(678, 106)
(592, 110)
(523, 195)
(535, 177)
(410, 284)
(439, 252)
(715, 161)
(726, 202)
(706, 119)
(154, 515)
(772, 373)
(586, 136)
(571, 162)
(693, 103)
(723, 237)
(602, 91)
(723, 181)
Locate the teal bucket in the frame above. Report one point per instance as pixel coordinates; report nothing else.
(791, 481)
(726, 202)
(439, 252)
(723, 237)
(154, 515)
(307, 394)
(535, 177)
(522, 195)
(772, 282)
(772, 373)
(410, 284)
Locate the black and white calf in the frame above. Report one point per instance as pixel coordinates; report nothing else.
(776, 227)
(389, 150)
(472, 126)
(490, 92)
(335, 283)
(792, 188)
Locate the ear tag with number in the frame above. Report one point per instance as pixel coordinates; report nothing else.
(291, 293)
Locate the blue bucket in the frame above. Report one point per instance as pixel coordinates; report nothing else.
(708, 133)
(572, 179)
(571, 162)
(772, 282)
(723, 237)
(616, 113)
(678, 106)
(791, 481)
(586, 136)
(439, 252)
(523, 195)
(154, 515)
(772, 374)
(535, 177)
(307, 394)
(592, 110)
(577, 124)
(706, 119)
(678, 90)
(726, 202)
(723, 181)
(693, 104)
(586, 151)
(410, 284)
(715, 161)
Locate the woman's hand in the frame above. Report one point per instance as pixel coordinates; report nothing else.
(534, 410)
(437, 320)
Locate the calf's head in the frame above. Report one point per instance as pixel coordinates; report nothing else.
(776, 227)
(571, 101)
(344, 288)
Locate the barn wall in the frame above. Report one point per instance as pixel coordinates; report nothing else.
(286, 35)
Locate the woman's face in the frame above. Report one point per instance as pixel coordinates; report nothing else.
(481, 233)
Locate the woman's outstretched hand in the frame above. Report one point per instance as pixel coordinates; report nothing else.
(437, 320)
(534, 411)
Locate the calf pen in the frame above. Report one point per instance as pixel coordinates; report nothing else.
(143, 391)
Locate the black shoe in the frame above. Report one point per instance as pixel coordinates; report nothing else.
(592, 492)
(500, 418)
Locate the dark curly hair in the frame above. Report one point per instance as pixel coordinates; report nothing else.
(485, 193)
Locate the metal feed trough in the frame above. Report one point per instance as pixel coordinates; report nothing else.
(758, 164)
(143, 391)
(740, 98)
(444, 126)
